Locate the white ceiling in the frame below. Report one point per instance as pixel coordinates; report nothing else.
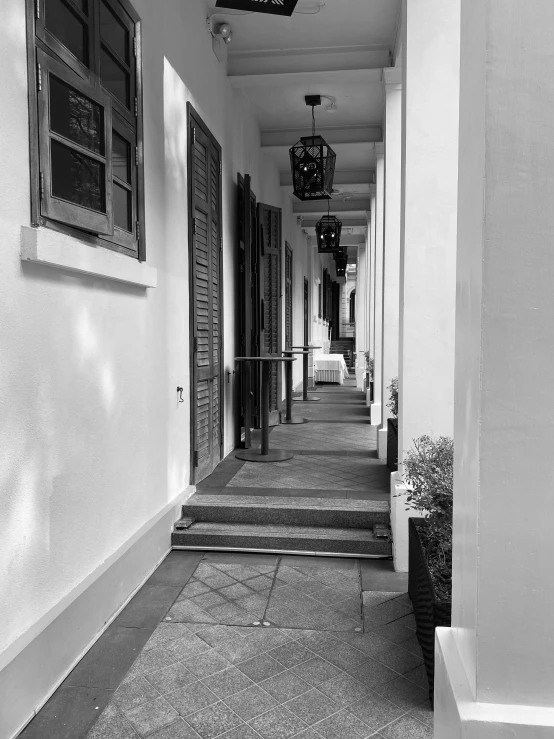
(339, 23)
(339, 51)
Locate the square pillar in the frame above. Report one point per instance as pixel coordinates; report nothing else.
(495, 666)
(376, 407)
(430, 92)
(392, 80)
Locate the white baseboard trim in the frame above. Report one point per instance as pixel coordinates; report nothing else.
(36, 664)
(459, 715)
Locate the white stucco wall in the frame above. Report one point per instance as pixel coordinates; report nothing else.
(94, 443)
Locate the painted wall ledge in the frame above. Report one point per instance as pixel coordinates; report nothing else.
(53, 249)
(458, 714)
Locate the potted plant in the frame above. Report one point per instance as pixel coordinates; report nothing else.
(369, 367)
(428, 473)
(392, 426)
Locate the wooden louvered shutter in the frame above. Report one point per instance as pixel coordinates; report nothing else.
(205, 187)
(269, 230)
(288, 296)
(306, 313)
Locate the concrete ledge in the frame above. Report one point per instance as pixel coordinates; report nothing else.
(376, 415)
(399, 522)
(37, 663)
(459, 716)
(53, 249)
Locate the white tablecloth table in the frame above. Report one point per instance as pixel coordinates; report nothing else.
(330, 368)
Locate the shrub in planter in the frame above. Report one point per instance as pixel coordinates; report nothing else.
(392, 426)
(428, 472)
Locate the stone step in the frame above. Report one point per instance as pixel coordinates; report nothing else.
(278, 538)
(287, 511)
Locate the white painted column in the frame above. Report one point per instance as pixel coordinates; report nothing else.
(430, 92)
(361, 317)
(371, 242)
(392, 80)
(376, 407)
(495, 666)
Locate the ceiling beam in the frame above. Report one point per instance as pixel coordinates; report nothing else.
(332, 135)
(342, 177)
(347, 222)
(359, 206)
(286, 79)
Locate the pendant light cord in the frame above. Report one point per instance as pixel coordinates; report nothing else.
(313, 121)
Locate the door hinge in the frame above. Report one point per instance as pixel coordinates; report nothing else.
(196, 458)
(135, 46)
(193, 226)
(37, 8)
(138, 230)
(194, 135)
(221, 243)
(220, 168)
(136, 107)
(136, 156)
(39, 77)
(41, 178)
(195, 344)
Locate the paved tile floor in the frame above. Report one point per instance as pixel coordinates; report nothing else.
(294, 647)
(250, 646)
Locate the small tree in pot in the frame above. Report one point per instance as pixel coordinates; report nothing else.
(428, 472)
(369, 368)
(392, 426)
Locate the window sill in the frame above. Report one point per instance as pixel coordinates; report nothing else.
(54, 249)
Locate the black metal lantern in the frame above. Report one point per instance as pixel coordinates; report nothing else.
(312, 163)
(340, 266)
(328, 231)
(273, 7)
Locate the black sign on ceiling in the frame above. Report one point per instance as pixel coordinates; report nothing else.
(273, 7)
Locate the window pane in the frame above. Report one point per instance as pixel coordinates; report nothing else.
(114, 78)
(122, 211)
(67, 28)
(75, 116)
(114, 33)
(77, 178)
(121, 157)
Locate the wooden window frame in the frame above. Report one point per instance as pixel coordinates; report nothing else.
(44, 49)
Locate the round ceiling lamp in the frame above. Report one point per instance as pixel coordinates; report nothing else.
(328, 231)
(312, 162)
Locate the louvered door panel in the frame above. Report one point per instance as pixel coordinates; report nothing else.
(269, 229)
(288, 296)
(205, 195)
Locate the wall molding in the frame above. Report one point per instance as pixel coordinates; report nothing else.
(60, 639)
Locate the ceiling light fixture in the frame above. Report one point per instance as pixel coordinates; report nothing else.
(312, 162)
(272, 7)
(328, 231)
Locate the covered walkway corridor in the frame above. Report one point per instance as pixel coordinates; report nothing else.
(258, 645)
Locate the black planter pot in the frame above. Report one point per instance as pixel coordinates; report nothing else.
(392, 444)
(371, 391)
(429, 611)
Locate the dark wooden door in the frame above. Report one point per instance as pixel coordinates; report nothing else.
(306, 313)
(288, 296)
(244, 311)
(207, 345)
(269, 239)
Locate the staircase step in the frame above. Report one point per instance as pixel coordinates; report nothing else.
(280, 538)
(287, 511)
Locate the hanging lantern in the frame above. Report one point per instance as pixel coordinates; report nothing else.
(328, 231)
(273, 7)
(340, 255)
(312, 163)
(340, 266)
